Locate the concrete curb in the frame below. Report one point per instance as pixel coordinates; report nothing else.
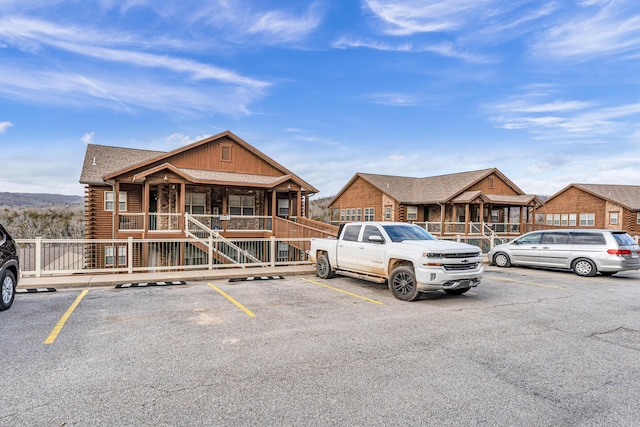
(88, 281)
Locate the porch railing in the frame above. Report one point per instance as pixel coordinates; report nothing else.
(171, 222)
(479, 228)
(223, 248)
(48, 257)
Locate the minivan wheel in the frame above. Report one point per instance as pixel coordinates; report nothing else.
(584, 267)
(501, 260)
(7, 290)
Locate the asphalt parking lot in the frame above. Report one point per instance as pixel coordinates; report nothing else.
(526, 347)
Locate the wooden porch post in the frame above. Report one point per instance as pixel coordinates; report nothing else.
(145, 206)
(183, 202)
(466, 218)
(274, 207)
(299, 203)
(442, 213)
(306, 206)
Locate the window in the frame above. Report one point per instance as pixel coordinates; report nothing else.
(638, 218)
(564, 220)
(549, 219)
(242, 205)
(357, 213)
(369, 214)
(225, 151)
(555, 237)
(387, 214)
(122, 201)
(588, 238)
(613, 218)
(283, 207)
(195, 203)
(351, 233)
(587, 220)
(371, 230)
(530, 239)
(412, 213)
(556, 219)
(110, 256)
(572, 220)
(343, 215)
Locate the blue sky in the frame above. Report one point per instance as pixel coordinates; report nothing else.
(546, 91)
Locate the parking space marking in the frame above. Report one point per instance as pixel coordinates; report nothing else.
(56, 330)
(240, 306)
(530, 283)
(343, 291)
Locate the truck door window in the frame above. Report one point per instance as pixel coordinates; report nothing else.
(370, 230)
(351, 233)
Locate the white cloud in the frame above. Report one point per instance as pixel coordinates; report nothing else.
(603, 28)
(446, 49)
(111, 91)
(4, 126)
(31, 34)
(407, 17)
(393, 99)
(87, 138)
(562, 121)
(181, 139)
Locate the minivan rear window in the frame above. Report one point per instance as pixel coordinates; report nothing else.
(623, 239)
(588, 238)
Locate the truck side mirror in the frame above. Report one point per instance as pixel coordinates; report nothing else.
(376, 239)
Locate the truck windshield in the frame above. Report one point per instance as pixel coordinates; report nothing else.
(398, 233)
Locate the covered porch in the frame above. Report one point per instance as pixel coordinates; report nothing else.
(475, 213)
(158, 202)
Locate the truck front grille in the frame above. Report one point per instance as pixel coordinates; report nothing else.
(460, 267)
(461, 255)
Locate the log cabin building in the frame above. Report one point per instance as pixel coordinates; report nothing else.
(603, 206)
(219, 187)
(474, 202)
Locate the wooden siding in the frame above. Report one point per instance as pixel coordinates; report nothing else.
(97, 220)
(577, 201)
(499, 186)
(209, 156)
(361, 194)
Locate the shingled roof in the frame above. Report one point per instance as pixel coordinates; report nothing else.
(625, 195)
(101, 160)
(105, 162)
(436, 189)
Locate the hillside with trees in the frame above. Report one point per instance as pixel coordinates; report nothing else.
(50, 216)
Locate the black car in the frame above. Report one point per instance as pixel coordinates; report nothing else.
(9, 269)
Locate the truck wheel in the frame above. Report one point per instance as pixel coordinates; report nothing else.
(323, 268)
(403, 285)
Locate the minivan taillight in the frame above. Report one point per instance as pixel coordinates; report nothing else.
(619, 251)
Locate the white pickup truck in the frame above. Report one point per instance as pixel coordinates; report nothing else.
(405, 255)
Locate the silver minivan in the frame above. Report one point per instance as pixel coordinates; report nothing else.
(586, 252)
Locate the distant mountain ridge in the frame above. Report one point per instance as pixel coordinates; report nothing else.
(37, 200)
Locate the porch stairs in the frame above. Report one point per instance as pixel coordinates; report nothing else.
(224, 250)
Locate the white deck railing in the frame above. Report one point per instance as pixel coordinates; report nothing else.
(49, 257)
